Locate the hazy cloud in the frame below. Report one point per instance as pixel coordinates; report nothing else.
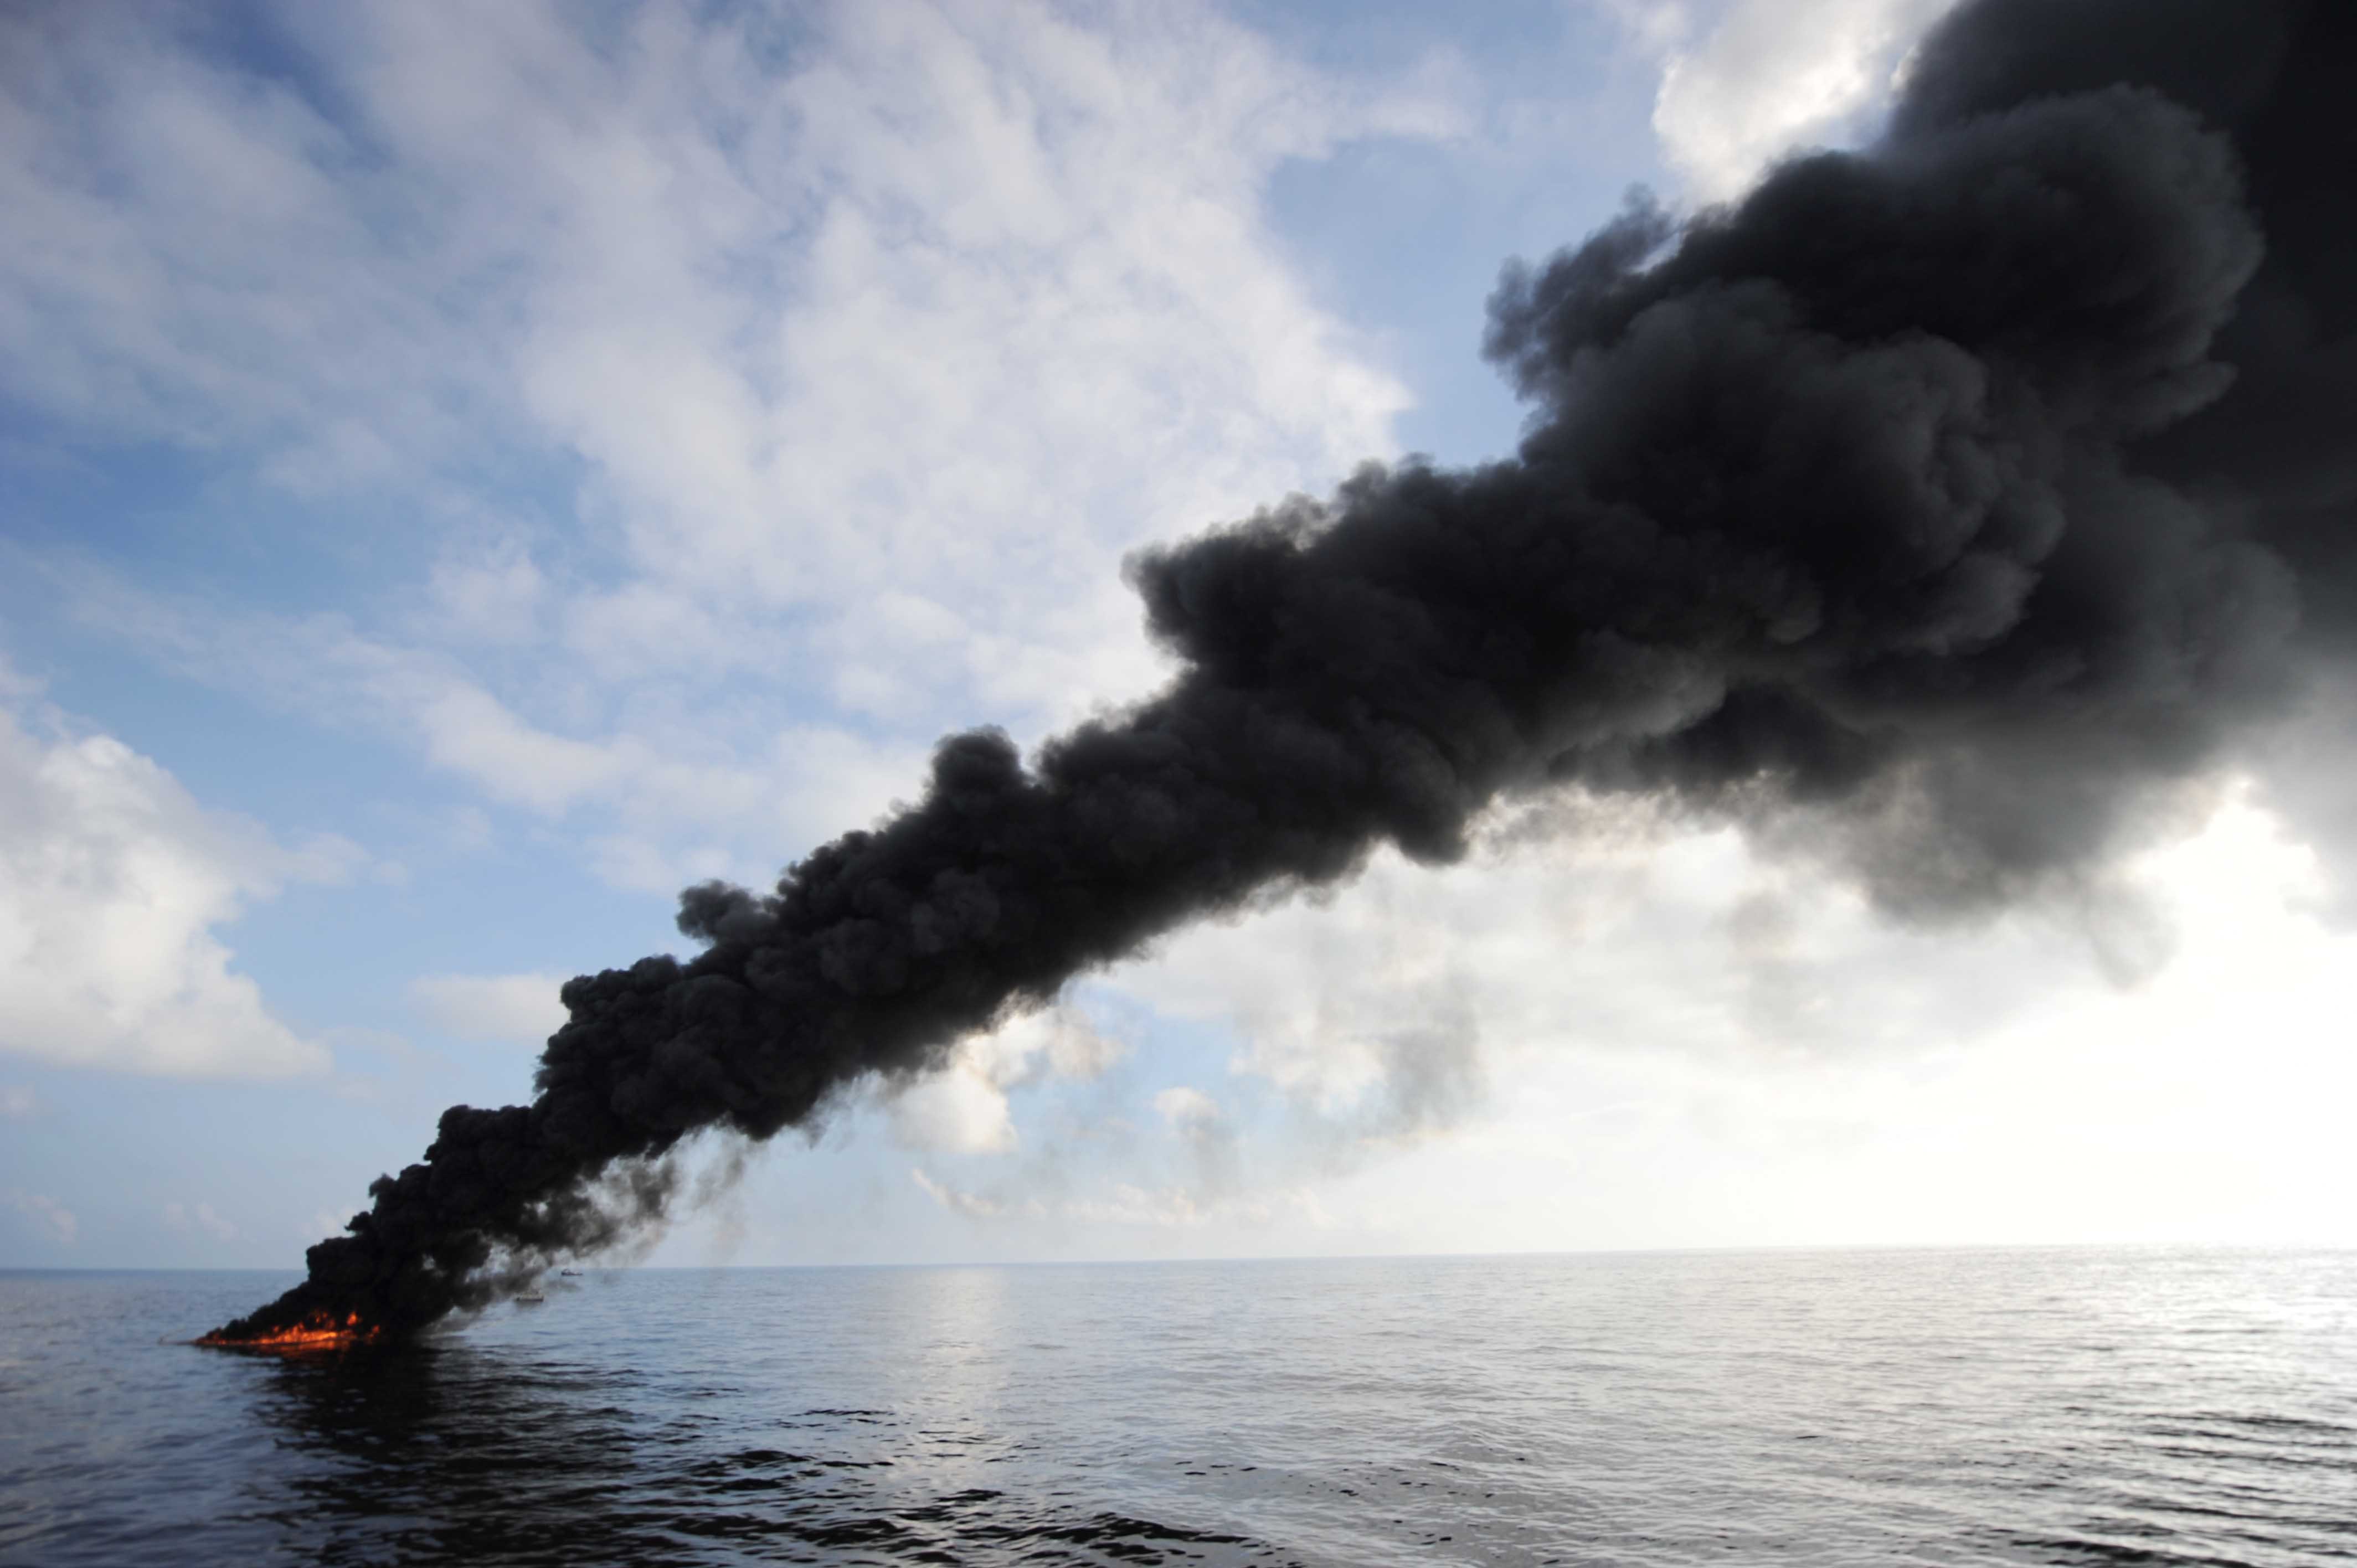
(519, 1009)
(972, 1205)
(1186, 1108)
(202, 1218)
(46, 1212)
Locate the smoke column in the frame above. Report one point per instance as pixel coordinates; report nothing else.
(1971, 490)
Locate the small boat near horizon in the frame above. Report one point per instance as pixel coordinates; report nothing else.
(534, 1299)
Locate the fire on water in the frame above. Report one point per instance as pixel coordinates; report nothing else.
(319, 1331)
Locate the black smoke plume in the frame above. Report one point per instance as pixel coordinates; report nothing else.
(1967, 492)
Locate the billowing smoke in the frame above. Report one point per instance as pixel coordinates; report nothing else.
(1968, 493)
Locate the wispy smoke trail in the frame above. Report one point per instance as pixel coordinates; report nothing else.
(1976, 484)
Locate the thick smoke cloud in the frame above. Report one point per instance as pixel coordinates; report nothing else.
(1966, 494)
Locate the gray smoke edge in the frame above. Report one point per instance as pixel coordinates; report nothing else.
(1962, 505)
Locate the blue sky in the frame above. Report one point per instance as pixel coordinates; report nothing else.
(468, 472)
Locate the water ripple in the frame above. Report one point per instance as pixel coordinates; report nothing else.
(2098, 1407)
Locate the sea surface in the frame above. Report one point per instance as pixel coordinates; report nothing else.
(2108, 1406)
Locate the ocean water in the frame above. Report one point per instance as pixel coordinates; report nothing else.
(2107, 1406)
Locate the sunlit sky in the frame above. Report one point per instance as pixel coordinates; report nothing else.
(468, 471)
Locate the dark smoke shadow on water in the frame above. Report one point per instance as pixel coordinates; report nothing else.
(1970, 497)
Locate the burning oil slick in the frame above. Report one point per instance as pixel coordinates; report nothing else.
(317, 1331)
(1983, 485)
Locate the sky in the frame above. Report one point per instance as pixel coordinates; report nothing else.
(467, 473)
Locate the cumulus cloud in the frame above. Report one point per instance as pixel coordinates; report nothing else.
(113, 885)
(965, 1109)
(956, 1110)
(1745, 82)
(518, 1009)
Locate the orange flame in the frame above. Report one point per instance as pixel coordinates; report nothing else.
(317, 1332)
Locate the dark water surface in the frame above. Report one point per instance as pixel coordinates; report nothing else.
(1929, 1407)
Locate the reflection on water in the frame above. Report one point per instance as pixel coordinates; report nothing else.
(466, 1451)
(442, 1453)
(452, 1452)
(1837, 1408)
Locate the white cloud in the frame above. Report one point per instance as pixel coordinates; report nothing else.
(873, 349)
(323, 1222)
(46, 1212)
(1179, 1209)
(1134, 1207)
(1074, 1047)
(1380, 1007)
(486, 588)
(161, 278)
(963, 1108)
(16, 1103)
(1197, 1120)
(1686, 1040)
(1243, 1219)
(1763, 78)
(1184, 1108)
(519, 1009)
(112, 883)
(203, 1216)
(956, 1110)
(689, 795)
(972, 1205)
(861, 362)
